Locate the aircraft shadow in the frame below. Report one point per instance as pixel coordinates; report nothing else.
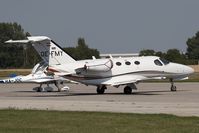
(69, 94)
(121, 93)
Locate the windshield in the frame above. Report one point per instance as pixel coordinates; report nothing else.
(165, 62)
(157, 62)
(39, 67)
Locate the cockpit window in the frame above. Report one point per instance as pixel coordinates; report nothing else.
(165, 62)
(39, 67)
(157, 62)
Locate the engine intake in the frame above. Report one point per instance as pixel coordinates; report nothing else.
(99, 65)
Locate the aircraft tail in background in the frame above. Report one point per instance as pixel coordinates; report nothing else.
(49, 51)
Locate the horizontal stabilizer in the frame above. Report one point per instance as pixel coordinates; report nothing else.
(30, 40)
(17, 41)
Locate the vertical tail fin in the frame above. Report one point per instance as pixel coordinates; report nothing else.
(50, 52)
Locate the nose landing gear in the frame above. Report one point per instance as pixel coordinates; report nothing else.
(173, 87)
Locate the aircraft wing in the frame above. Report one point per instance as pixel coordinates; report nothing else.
(52, 80)
(40, 81)
(28, 79)
(16, 79)
(20, 80)
(128, 79)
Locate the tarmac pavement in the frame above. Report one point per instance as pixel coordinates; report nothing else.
(150, 98)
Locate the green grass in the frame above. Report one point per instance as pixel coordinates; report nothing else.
(31, 121)
(7, 72)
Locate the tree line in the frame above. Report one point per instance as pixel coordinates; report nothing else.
(25, 56)
(15, 56)
(190, 57)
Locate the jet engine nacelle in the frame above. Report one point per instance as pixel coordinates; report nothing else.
(99, 65)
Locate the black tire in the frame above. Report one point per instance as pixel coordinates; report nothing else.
(101, 90)
(127, 90)
(173, 88)
(39, 89)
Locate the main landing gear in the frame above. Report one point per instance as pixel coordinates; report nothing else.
(101, 89)
(41, 89)
(128, 89)
(173, 87)
(57, 85)
(38, 89)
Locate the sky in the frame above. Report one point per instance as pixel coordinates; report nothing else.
(111, 26)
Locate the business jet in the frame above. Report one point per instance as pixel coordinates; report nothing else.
(106, 72)
(39, 75)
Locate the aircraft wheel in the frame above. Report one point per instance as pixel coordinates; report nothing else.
(127, 90)
(39, 89)
(59, 89)
(101, 90)
(173, 88)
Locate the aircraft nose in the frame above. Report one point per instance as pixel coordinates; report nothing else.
(188, 70)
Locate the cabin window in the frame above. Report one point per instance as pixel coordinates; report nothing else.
(157, 62)
(118, 63)
(137, 62)
(128, 63)
(165, 62)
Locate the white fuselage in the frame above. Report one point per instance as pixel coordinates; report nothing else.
(123, 70)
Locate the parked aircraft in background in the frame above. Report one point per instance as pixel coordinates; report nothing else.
(106, 72)
(40, 76)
